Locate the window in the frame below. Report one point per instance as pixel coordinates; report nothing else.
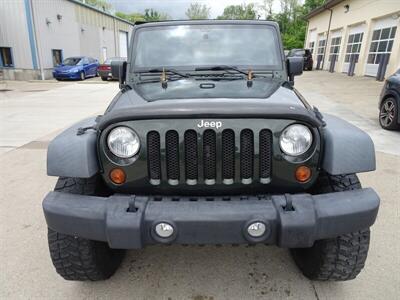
(311, 46)
(353, 45)
(335, 47)
(321, 49)
(57, 57)
(382, 43)
(6, 59)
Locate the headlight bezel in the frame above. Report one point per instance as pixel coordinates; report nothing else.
(306, 151)
(113, 152)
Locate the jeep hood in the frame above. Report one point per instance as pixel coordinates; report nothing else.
(191, 89)
(283, 103)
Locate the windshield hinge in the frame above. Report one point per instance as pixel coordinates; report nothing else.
(164, 79)
(250, 77)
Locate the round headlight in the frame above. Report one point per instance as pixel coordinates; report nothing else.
(123, 142)
(295, 140)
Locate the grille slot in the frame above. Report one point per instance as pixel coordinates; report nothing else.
(191, 157)
(172, 156)
(246, 155)
(265, 155)
(154, 157)
(228, 156)
(210, 156)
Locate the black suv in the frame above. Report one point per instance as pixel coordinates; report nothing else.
(208, 142)
(307, 56)
(389, 103)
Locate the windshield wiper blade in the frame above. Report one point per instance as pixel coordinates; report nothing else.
(166, 70)
(222, 68)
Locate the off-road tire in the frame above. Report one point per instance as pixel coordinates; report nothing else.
(77, 258)
(337, 259)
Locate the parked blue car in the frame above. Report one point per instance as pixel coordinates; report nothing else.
(79, 67)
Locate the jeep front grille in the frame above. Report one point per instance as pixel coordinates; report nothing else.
(210, 157)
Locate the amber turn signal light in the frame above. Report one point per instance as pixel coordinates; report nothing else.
(303, 173)
(117, 176)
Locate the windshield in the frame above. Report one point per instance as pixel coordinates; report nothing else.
(191, 46)
(72, 61)
(297, 53)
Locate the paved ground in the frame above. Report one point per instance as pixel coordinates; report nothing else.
(176, 272)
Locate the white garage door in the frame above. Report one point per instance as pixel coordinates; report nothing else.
(334, 49)
(353, 45)
(123, 44)
(381, 43)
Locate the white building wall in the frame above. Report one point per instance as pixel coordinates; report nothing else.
(14, 32)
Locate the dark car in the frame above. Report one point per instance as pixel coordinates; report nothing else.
(78, 67)
(389, 103)
(208, 144)
(105, 68)
(307, 56)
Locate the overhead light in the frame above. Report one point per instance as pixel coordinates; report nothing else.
(346, 8)
(59, 17)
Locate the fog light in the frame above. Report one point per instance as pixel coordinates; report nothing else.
(164, 230)
(256, 229)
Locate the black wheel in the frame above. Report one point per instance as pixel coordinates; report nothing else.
(337, 259)
(82, 76)
(77, 258)
(104, 78)
(388, 114)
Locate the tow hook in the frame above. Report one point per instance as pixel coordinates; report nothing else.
(289, 203)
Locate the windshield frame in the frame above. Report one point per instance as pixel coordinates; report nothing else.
(280, 67)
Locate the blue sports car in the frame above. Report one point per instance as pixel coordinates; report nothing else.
(79, 67)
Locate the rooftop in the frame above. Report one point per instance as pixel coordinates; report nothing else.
(327, 5)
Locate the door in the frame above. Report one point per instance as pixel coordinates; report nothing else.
(321, 50)
(353, 46)
(381, 44)
(123, 44)
(311, 43)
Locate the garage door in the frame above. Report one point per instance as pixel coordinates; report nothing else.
(381, 43)
(353, 45)
(123, 44)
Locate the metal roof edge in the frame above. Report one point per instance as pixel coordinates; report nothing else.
(101, 11)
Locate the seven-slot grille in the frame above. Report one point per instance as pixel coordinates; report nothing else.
(210, 157)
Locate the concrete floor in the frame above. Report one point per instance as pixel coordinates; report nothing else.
(177, 272)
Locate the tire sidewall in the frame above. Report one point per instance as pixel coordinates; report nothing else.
(393, 125)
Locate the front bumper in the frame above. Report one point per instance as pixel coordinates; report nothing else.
(128, 222)
(66, 75)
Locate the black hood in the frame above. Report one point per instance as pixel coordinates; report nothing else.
(284, 103)
(194, 89)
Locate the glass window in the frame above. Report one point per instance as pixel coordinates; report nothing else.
(72, 61)
(382, 44)
(371, 58)
(376, 34)
(335, 48)
(190, 46)
(6, 59)
(385, 34)
(393, 32)
(353, 46)
(57, 57)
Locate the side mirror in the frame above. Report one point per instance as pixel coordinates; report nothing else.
(118, 71)
(294, 67)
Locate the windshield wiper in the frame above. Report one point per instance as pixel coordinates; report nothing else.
(166, 70)
(222, 68)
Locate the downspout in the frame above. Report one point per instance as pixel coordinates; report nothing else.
(37, 42)
(115, 38)
(327, 38)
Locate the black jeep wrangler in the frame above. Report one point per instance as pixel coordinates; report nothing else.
(209, 143)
